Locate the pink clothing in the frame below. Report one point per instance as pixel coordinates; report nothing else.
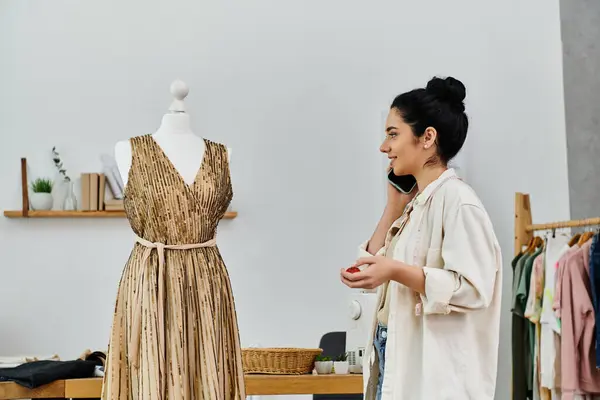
(560, 269)
(578, 359)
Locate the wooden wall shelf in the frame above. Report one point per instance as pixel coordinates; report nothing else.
(80, 214)
(25, 212)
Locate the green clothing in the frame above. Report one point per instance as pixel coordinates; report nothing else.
(520, 344)
(523, 330)
(523, 288)
(517, 266)
(522, 295)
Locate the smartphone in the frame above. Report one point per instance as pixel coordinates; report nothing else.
(404, 183)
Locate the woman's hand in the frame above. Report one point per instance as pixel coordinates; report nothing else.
(379, 270)
(396, 203)
(396, 200)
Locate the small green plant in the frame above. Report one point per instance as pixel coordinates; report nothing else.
(342, 357)
(321, 357)
(42, 185)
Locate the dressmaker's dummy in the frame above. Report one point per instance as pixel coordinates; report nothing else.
(174, 333)
(182, 147)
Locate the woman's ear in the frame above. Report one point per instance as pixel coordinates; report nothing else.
(429, 137)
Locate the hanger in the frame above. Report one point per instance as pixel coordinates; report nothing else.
(574, 239)
(529, 245)
(534, 243)
(539, 242)
(584, 238)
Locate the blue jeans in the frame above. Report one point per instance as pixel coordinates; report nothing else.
(595, 286)
(380, 343)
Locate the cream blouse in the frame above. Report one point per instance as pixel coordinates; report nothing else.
(384, 309)
(449, 351)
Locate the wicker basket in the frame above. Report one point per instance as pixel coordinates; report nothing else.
(281, 361)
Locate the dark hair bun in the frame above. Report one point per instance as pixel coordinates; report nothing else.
(448, 90)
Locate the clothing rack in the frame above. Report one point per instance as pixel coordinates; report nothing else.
(524, 227)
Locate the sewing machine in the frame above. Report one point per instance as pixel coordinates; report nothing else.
(362, 307)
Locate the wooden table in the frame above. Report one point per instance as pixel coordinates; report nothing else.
(255, 385)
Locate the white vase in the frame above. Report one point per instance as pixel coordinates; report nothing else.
(323, 367)
(70, 200)
(340, 367)
(41, 201)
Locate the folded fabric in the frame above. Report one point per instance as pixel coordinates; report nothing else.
(38, 373)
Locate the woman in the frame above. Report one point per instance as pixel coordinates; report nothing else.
(436, 261)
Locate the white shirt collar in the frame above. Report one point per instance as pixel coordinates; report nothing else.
(425, 194)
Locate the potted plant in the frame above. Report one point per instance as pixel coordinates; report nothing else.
(340, 365)
(41, 198)
(323, 365)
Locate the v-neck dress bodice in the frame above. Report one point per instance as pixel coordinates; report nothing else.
(175, 332)
(162, 207)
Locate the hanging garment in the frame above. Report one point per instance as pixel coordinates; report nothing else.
(533, 310)
(578, 364)
(520, 302)
(561, 267)
(435, 347)
(175, 333)
(556, 246)
(560, 271)
(595, 289)
(519, 334)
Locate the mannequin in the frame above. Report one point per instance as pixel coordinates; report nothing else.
(182, 147)
(174, 333)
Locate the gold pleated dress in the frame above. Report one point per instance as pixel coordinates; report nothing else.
(175, 334)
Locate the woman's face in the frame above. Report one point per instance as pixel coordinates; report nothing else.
(405, 150)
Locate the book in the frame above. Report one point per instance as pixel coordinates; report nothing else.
(85, 192)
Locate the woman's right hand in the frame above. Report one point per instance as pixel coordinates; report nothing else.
(396, 200)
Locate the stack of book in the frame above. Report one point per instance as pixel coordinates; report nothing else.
(113, 205)
(93, 194)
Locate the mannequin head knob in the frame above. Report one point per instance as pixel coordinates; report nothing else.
(179, 90)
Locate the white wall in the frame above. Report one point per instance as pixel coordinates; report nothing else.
(297, 90)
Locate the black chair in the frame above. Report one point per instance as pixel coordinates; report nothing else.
(334, 344)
